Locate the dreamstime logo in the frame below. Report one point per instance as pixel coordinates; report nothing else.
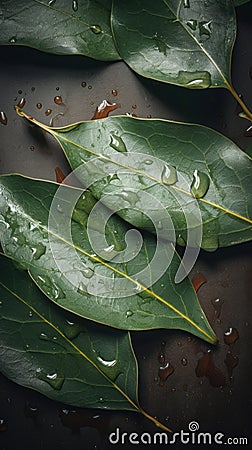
(192, 436)
(135, 188)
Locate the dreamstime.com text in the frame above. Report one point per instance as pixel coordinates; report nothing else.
(191, 436)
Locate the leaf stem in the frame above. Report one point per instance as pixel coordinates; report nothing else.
(240, 101)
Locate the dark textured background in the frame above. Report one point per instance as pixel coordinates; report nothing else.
(27, 419)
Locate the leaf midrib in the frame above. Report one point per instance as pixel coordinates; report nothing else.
(71, 16)
(123, 274)
(229, 87)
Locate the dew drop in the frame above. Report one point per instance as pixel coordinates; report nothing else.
(39, 105)
(73, 329)
(231, 362)
(169, 175)
(55, 379)
(117, 143)
(192, 24)
(13, 40)
(3, 118)
(159, 225)
(205, 28)
(96, 29)
(82, 288)
(75, 5)
(21, 103)
(194, 80)
(200, 184)
(87, 272)
(217, 304)
(3, 425)
(164, 372)
(148, 162)
(129, 313)
(59, 208)
(83, 84)
(114, 92)
(38, 250)
(206, 367)
(58, 100)
(231, 336)
(129, 196)
(184, 362)
(103, 109)
(48, 112)
(186, 4)
(51, 2)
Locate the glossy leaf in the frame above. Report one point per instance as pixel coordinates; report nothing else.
(223, 172)
(59, 26)
(60, 355)
(59, 256)
(183, 42)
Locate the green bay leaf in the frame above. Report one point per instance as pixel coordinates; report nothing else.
(187, 43)
(53, 243)
(60, 355)
(63, 27)
(195, 173)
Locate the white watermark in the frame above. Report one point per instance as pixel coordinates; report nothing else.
(191, 436)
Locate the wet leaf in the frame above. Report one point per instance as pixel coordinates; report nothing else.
(201, 178)
(59, 26)
(61, 355)
(183, 42)
(93, 264)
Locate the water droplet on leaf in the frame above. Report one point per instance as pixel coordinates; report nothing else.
(75, 5)
(169, 175)
(186, 4)
(200, 184)
(129, 313)
(38, 250)
(230, 336)
(117, 143)
(13, 40)
(96, 29)
(55, 379)
(194, 80)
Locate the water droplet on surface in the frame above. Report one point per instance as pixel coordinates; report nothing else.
(103, 109)
(200, 184)
(55, 379)
(248, 132)
(198, 280)
(186, 4)
(96, 29)
(38, 250)
(231, 362)
(3, 118)
(75, 5)
(164, 372)
(82, 288)
(114, 92)
(159, 225)
(21, 103)
(181, 241)
(129, 196)
(217, 304)
(206, 367)
(58, 100)
(3, 425)
(148, 162)
(231, 336)
(48, 112)
(129, 313)
(51, 2)
(184, 362)
(169, 175)
(13, 40)
(117, 143)
(39, 105)
(83, 84)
